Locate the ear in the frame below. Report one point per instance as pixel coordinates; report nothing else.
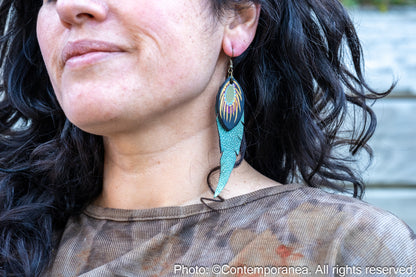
(240, 28)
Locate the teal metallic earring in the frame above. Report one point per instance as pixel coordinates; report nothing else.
(230, 119)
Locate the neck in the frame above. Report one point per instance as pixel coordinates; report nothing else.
(159, 166)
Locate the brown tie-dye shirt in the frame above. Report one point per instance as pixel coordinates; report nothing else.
(289, 230)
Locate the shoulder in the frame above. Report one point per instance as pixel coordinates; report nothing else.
(305, 205)
(357, 213)
(319, 207)
(360, 232)
(370, 236)
(330, 227)
(319, 203)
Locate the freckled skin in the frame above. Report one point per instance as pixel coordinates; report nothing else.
(165, 45)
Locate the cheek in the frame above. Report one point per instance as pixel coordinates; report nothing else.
(48, 38)
(172, 60)
(42, 33)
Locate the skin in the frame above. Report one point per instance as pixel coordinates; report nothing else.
(152, 99)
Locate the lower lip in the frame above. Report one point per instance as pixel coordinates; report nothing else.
(89, 59)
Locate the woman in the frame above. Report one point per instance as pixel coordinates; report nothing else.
(112, 133)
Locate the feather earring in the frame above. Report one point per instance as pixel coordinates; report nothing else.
(230, 122)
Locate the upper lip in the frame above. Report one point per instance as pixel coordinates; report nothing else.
(81, 47)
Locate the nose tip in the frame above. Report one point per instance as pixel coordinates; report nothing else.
(76, 12)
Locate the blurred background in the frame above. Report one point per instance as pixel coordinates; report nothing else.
(387, 29)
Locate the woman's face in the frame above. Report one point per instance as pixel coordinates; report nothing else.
(115, 64)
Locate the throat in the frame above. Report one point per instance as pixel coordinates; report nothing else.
(175, 176)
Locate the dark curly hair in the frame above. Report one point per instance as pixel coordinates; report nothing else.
(299, 86)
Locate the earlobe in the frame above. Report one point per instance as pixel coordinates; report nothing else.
(241, 29)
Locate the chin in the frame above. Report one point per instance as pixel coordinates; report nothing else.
(97, 124)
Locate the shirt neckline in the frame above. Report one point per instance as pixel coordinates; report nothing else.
(177, 212)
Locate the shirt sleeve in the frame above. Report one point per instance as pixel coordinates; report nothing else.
(376, 243)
